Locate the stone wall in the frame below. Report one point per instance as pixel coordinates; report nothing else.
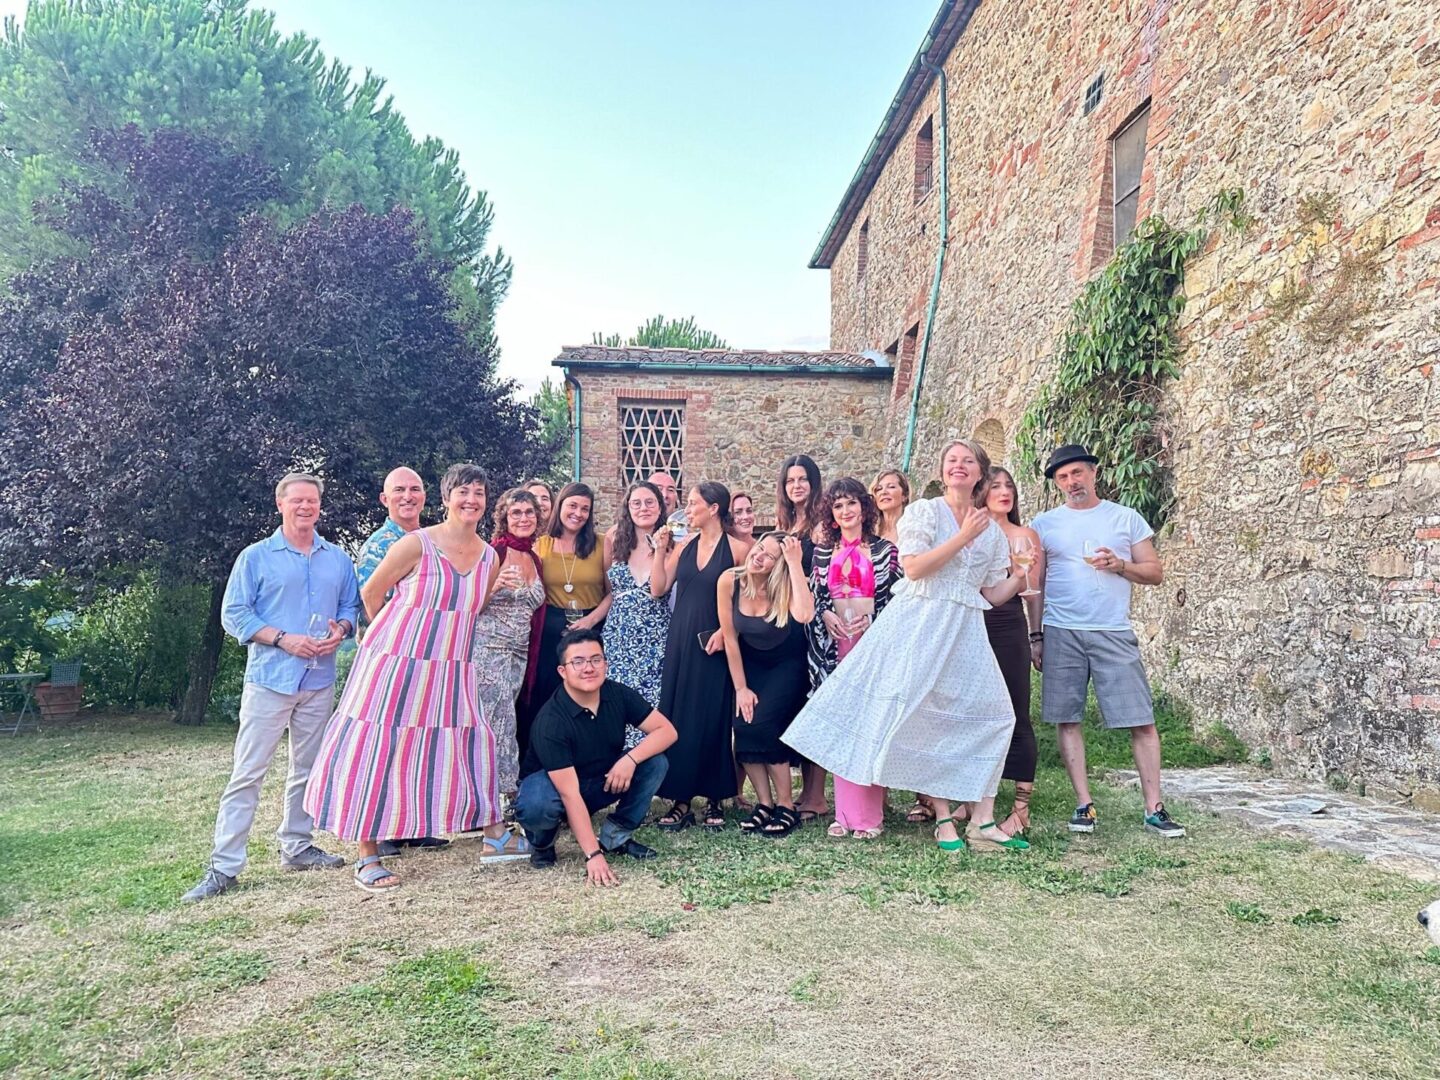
(1300, 603)
(739, 427)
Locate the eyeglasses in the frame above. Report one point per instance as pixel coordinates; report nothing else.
(580, 663)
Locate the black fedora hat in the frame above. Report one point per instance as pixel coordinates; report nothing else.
(1064, 455)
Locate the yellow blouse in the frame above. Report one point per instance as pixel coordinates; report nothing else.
(585, 576)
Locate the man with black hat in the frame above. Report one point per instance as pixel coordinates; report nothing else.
(1094, 551)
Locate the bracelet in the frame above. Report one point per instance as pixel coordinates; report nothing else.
(279, 637)
(595, 854)
(633, 761)
(1038, 635)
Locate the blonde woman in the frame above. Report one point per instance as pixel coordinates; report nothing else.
(920, 702)
(891, 491)
(764, 606)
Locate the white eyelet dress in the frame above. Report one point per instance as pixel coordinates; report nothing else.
(920, 703)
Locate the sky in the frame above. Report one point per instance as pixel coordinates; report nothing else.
(679, 158)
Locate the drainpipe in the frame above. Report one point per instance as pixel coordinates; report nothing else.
(572, 386)
(939, 70)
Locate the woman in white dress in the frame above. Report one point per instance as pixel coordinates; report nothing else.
(920, 702)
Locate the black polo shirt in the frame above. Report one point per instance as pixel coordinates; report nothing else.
(567, 735)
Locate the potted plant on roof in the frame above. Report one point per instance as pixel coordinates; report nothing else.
(60, 696)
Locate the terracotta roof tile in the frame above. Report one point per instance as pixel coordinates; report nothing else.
(631, 355)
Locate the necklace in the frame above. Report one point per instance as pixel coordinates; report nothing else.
(569, 571)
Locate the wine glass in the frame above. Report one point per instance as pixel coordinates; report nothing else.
(1023, 551)
(678, 524)
(318, 628)
(1091, 553)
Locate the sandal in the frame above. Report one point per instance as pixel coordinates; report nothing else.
(920, 813)
(976, 834)
(370, 872)
(714, 818)
(958, 844)
(785, 821)
(678, 817)
(498, 849)
(1019, 820)
(807, 816)
(869, 834)
(758, 819)
(836, 830)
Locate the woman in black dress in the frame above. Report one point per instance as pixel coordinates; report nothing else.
(695, 691)
(798, 494)
(1007, 628)
(763, 606)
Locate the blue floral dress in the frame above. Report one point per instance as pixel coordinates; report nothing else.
(634, 636)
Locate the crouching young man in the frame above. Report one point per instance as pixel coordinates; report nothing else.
(577, 762)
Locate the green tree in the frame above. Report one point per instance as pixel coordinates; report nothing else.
(217, 69)
(663, 333)
(553, 405)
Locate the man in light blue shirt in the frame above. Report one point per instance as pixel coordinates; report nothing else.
(291, 600)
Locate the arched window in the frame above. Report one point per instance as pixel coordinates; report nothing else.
(991, 435)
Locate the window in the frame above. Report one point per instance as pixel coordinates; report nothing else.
(925, 159)
(905, 371)
(1127, 156)
(862, 251)
(1093, 93)
(991, 435)
(652, 439)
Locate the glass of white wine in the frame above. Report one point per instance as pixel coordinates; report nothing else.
(1022, 550)
(318, 628)
(1091, 555)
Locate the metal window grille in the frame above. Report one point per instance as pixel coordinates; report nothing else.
(652, 439)
(1093, 93)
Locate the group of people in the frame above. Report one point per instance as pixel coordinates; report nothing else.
(511, 687)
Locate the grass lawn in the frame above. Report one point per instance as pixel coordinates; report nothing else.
(1118, 955)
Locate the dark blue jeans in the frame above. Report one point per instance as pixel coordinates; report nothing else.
(539, 808)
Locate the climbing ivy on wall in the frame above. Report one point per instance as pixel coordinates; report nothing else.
(1115, 353)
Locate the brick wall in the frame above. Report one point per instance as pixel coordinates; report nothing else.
(1300, 606)
(738, 428)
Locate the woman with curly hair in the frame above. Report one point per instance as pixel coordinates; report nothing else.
(636, 627)
(507, 634)
(852, 579)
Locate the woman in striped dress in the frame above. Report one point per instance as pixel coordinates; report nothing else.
(409, 752)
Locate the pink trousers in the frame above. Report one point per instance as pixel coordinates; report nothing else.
(859, 806)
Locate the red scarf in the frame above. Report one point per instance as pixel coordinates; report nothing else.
(537, 618)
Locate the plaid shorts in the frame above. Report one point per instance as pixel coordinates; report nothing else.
(1111, 658)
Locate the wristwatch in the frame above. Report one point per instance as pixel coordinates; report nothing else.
(279, 637)
(595, 854)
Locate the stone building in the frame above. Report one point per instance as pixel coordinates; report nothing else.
(1300, 604)
(724, 415)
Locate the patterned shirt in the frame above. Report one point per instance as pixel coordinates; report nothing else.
(374, 549)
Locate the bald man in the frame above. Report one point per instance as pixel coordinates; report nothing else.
(666, 483)
(404, 496)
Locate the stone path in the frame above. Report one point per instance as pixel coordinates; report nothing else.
(1393, 837)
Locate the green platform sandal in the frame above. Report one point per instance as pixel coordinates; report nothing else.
(958, 844)
(979, 841)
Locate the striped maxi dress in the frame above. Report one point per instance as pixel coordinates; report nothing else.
(409, 752)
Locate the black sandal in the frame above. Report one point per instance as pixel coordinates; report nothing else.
(714, 818)
(676, 818)
(758, 819)
(784, 821)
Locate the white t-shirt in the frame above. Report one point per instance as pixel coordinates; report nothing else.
(1077, 596)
